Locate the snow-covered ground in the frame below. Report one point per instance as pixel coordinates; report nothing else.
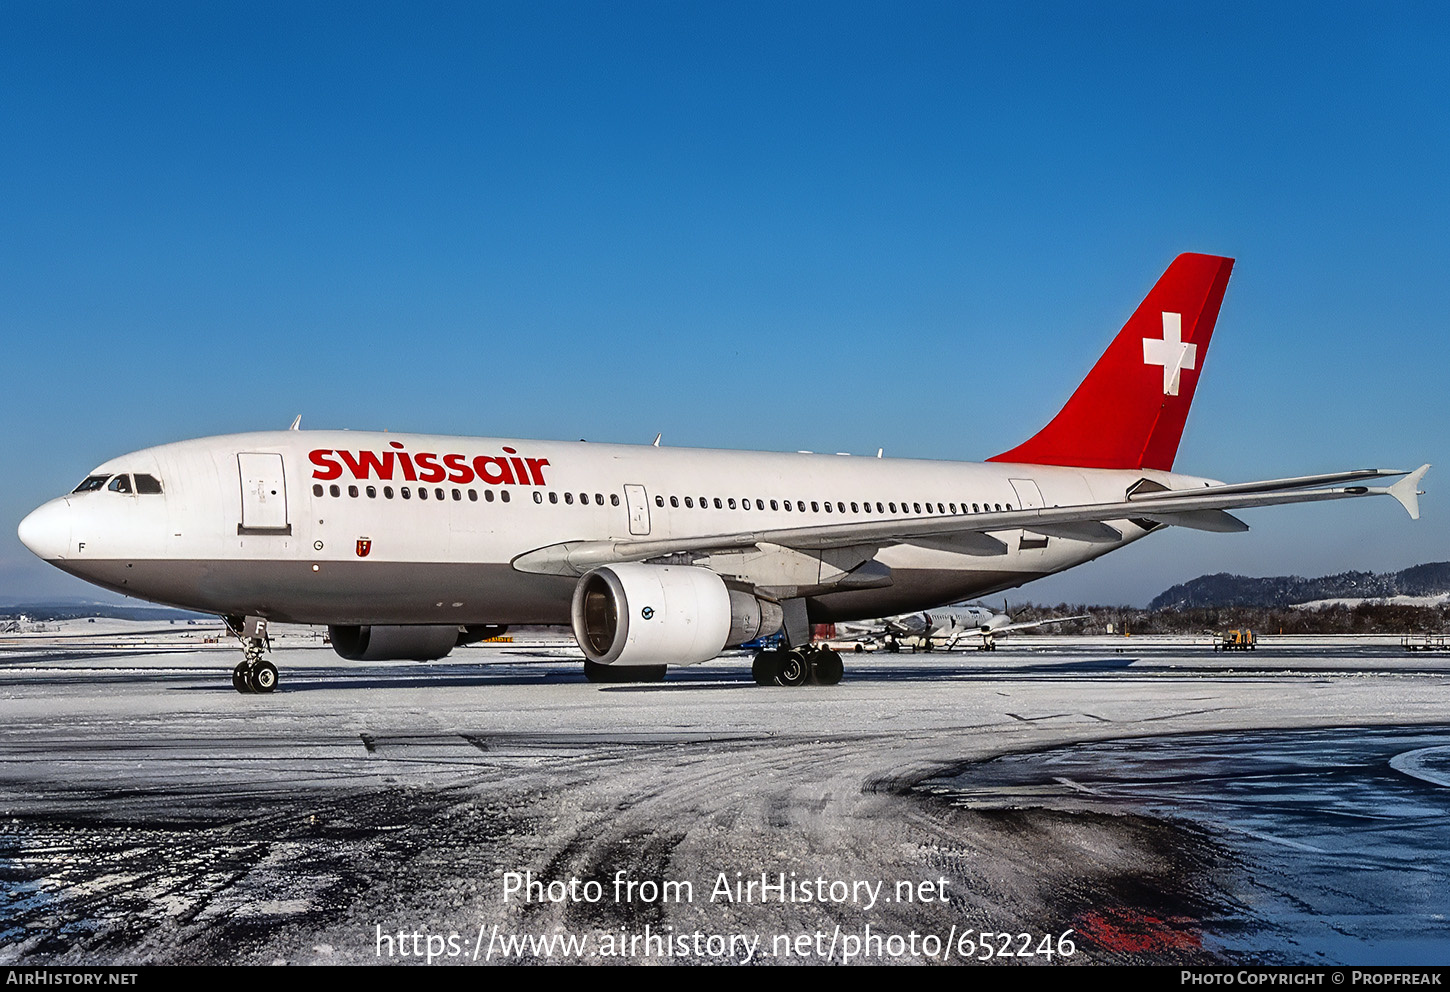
(149, 813)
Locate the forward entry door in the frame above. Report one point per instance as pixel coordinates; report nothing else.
(638, 503)
(264, 493)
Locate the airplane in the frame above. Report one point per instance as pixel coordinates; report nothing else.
(944, 625)
(408, 545)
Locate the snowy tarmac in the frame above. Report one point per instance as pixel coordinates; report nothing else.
(1058, 800)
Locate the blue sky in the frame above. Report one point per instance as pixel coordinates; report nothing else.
(826, 226)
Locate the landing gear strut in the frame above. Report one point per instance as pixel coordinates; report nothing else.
(253, 674)
(797, 666)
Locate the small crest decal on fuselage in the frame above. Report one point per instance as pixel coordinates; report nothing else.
(364, 545)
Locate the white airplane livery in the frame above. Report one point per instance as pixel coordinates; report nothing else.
(408, 545)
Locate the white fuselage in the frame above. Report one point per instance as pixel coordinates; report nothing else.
(352, 527)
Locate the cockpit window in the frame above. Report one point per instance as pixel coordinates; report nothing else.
(92, 483)
(120, 484)
(148, 485)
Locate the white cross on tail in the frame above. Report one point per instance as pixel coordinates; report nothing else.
(1171, 352)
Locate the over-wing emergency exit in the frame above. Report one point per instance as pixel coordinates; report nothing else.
(408, 545)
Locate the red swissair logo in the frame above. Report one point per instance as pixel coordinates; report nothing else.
(508, 469)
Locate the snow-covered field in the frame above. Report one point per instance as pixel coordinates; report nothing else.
(368, 811)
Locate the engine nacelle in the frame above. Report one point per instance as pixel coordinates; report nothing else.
(635, 614)
(379, 642)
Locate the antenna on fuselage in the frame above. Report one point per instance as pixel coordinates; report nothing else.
(657, 438)
(296, 423)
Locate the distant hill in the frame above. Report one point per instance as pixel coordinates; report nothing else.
(1223, 589)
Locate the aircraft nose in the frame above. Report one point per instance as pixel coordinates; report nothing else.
(46, 531)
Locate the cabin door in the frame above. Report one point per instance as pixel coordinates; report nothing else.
(638, 502)
(264, 493)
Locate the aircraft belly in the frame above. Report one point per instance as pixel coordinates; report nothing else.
(342, 592)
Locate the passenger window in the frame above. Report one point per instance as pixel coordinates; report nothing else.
(800, 505)
(893, 507)
(94, 482)
(372, 492)
(787, 506)
(675, 502)
(584, 499)
(504, 495)
(614, 499)
(120, 484)
(488, 496)
(760, 504)
(538, 497)
(405, 492)
(773, 505)
(457, 495)
(815, 507)
(659, 501)
(387, 492)
(553, 497)
(316, 489)
(422, 492)
(598, 499)
(952, 507)
(439, 493)
(473, 495)
(745, 504)
(334, 490)
(717, 503)
(148, 485)
(731, 502)
(569, 498)
(841, 506)
(916, 507)
(352, 491)
(689, 503)
(828, 507)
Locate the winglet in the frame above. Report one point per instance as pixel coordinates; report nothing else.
(1408, 492)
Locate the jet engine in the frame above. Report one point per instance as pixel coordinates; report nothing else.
(635, 614)
(379, 642)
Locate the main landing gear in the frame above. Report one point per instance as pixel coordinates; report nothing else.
(253, 674)
(798, 666)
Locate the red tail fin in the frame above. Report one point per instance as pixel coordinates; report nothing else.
(1130, 410)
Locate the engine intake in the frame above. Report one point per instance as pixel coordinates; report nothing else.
(636, 614)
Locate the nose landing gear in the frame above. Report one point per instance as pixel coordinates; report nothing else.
(253, 674)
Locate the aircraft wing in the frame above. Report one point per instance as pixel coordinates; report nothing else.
(1027, 625)
(1203, 509)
